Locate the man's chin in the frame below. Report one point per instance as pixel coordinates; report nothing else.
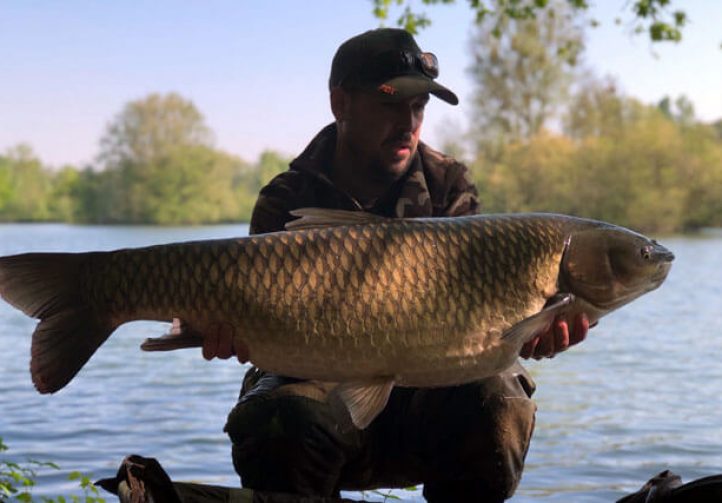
(399, 162)
(396, 168)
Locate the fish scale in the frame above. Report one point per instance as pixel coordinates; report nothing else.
(342, 296)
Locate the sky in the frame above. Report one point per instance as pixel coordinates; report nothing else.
(258, 69)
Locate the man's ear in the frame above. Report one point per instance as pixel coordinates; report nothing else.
(339, 103)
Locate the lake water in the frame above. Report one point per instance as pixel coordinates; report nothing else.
(641, 395)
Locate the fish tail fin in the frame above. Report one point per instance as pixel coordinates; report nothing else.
(46, 286)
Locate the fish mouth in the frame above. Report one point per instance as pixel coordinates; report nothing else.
(663, 258)
(627, 293)
(658, 253)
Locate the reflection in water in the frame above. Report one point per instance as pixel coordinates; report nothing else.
(639, 396)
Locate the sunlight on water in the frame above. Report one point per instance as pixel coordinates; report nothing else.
(639, 396)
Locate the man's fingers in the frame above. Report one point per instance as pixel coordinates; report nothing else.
(210, 344)
(581, 327)
(241, 353)
(528, 349)
(218, 341)
(557, 338)
(545, 347)
(561, 336)
(225, 341)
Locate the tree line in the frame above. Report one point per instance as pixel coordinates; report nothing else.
(626, 162)
(549, 135)
(545, 135)
(157, 165)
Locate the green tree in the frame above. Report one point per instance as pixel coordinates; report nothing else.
(702, 171)
(596, 109)
(681, 110)
(650, 160)
(270, 164)
(250, 178)
(192, 185)
(717, 125)
(521, 76)
(653, 17)
(160, 167)
(24, 186)
(62, 201)
(620, 161)
(150, 128)
(653, 168)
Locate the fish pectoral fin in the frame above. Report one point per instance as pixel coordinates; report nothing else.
(181, 336)
(311, 218)
(365, 400)
(528, 328)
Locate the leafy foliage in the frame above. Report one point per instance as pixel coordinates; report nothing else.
(160, 167)
(17, 481)
(151, 128)
(24, 189)
(157, 165)
(653, 168)
(651, 16)
(520, 76)
(619, 161)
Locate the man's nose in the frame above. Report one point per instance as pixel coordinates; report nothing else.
(408, 119)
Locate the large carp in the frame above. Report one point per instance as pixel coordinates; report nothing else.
(347, 297)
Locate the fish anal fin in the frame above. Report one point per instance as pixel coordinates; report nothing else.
(365, 400)
(528, 328)
(312, 218)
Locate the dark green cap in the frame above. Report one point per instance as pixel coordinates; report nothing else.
(387, 61)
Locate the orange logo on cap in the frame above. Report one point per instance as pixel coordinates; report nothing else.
(387, 89)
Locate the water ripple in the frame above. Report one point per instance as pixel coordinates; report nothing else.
(639, 396)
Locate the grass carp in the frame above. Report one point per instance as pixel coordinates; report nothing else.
(347, 297)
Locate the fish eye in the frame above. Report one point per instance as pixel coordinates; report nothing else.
(646, 252)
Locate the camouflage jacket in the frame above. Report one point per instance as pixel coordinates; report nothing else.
(434, 185)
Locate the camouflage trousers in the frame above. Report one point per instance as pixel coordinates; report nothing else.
(463, 443)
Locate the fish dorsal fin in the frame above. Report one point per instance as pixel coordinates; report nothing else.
(528, 328)
(311, 218)
(365, 400)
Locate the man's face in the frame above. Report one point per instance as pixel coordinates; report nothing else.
(382, 135)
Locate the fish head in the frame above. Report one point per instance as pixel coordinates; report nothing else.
(609, 266)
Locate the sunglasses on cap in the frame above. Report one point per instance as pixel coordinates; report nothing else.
(390, 64)
(396, 63)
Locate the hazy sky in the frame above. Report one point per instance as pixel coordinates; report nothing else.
(258, 69)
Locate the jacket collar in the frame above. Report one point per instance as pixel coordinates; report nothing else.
(408, 197)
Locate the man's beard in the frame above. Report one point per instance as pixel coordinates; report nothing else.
(385, 172)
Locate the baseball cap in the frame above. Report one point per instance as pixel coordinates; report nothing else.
(387, 61)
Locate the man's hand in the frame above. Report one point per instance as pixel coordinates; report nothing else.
(557, 338)
(218, 342)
